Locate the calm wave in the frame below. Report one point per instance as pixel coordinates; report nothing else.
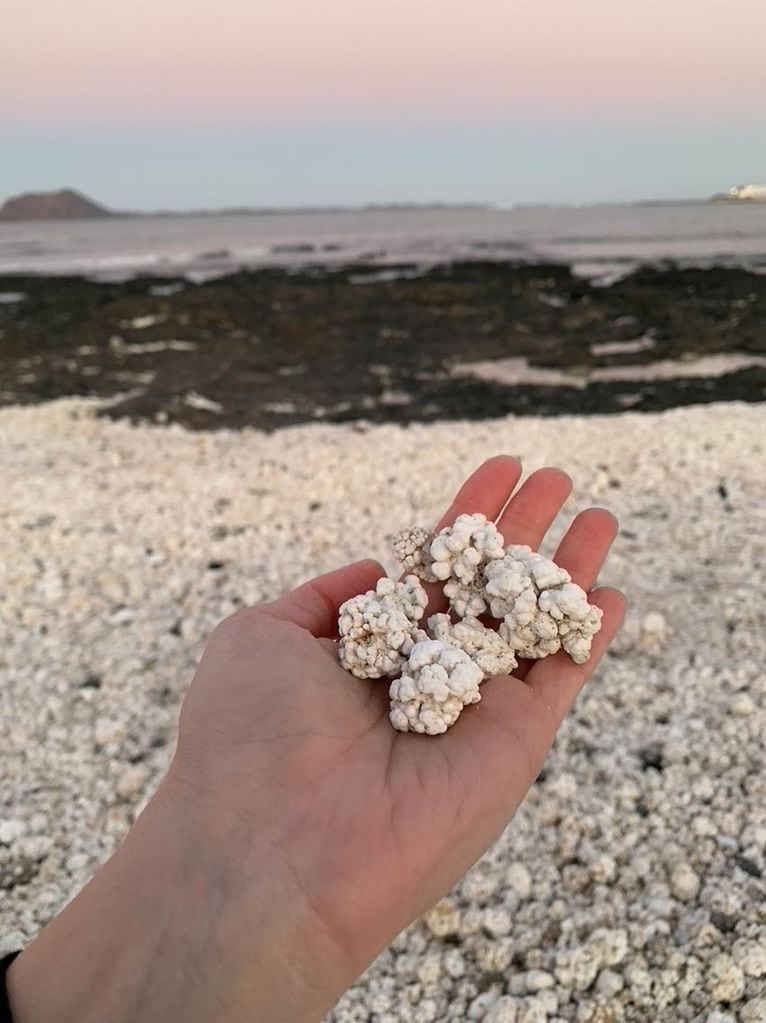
(599, 241)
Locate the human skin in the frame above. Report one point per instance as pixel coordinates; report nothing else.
(296, 833)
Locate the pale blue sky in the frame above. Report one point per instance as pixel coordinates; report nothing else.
(162, 103)
(575, 161)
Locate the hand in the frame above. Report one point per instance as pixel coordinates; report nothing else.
(306, 832)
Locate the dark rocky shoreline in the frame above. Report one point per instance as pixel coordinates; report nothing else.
(273, 347)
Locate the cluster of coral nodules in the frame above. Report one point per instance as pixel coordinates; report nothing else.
(438, 672)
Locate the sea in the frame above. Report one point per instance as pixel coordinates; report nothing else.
(600, 242)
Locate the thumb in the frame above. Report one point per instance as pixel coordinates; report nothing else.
(314, 605)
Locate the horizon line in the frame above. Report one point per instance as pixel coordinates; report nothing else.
(253, 210)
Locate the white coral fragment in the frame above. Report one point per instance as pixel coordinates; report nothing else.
(412, 549)
(440, 672)
(484, 646)
(578, 624)
(378, 628)
(460, 553)
(437, 681)
(410, 596)
(542, 609)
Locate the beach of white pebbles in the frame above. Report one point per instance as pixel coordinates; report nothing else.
(631, 886)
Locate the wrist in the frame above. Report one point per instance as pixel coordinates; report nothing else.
(169, 930)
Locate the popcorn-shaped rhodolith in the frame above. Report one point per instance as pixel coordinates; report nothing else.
(577, 620)
(484, 646)
(543, 611)
(412, 549)
(460, 553)
(378, 628)
(437, 682)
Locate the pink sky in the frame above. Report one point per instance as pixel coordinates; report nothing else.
(147, 60)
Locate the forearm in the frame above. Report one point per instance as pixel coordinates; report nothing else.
(160, 935)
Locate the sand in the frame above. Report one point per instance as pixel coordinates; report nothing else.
(629, 887)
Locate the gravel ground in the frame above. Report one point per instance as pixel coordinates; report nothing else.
(631, 884)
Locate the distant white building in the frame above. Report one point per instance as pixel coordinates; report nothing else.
(755, 193)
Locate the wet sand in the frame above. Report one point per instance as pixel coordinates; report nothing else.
(271, 348)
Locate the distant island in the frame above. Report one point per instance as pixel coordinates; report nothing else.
(67, 204)
(63, 205)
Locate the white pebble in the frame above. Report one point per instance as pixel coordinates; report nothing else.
(505, 1010)
(743, 705)
(519, 879)
(684, 882)
(131, 782)
(108, 732)
(725, 980)
(11, 829)
(754, 1010)
(751, 956)
(537, 980)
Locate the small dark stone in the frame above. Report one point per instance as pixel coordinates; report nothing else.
(724, 923)
(723, 493)
(749, 867)
(91, 681)
(488, 980)
(40, 523)
(552, 933)
(164, 696)
(17, 873)
(215, 566)
(175, 628)
(651, 757)
(314, 505)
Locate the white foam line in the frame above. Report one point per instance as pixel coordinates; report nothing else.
(518, 371)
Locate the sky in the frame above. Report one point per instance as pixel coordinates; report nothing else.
(159, 104)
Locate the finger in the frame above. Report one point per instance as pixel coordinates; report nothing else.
(498, 746)
(486, 490)
(533, 507)
(586, 544)
(557, 680)
(314, 605)
(582, 552)
(510, 731)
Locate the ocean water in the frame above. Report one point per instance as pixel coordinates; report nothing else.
(600, 242)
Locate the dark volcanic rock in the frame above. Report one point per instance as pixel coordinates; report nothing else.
(63, 205)
(274, 347)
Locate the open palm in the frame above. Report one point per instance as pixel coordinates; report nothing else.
(299, 768)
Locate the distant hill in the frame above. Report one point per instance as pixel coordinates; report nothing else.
(63, 205)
